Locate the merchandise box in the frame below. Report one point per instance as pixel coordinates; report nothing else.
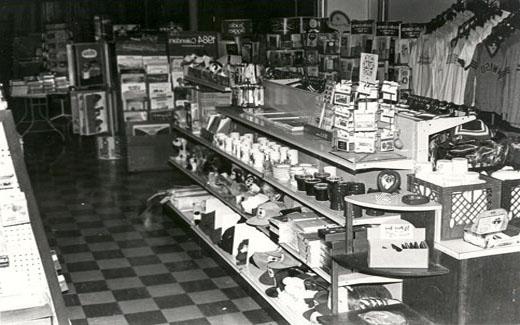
(148, 143)
(91, 64)
(151, 129)
(159, 89)
(161, 103)
(129, 62)
(135, 104)
(157, 68)
(398, 245)
(137, 116)
(133, 85)
(90, 112)
(155, 60)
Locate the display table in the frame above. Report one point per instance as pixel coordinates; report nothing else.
(36, 113)
(35, 264)
(480, 290)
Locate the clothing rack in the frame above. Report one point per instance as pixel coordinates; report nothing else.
(505, 28)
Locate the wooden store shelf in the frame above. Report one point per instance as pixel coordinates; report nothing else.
(318, 147)
(249, 273)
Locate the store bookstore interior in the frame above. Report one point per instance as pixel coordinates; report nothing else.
(260, 162)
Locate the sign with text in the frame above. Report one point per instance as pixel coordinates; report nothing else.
(368, 67)
(362, 27)
(186, 43)
(412, 30)
(237, 27)
(389, 29)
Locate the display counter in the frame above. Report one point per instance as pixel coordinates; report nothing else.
(38, 266)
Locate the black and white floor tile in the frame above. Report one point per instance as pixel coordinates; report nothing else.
(116, 270)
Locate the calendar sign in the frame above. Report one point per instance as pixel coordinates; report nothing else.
(368, 67)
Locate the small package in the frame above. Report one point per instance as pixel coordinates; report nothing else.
(491, 229)
(397, 245)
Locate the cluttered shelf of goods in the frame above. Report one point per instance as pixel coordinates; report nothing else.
(286, 175)
(30, 289)
(342, 173)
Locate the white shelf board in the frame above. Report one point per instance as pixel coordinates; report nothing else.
(371, 200)
(316, 146)
(461, 250)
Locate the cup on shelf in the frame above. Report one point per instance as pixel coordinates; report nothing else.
(309, 185)
(331, 170)
(320, 192)
(300, 181)
(322, 176)
(292, 155)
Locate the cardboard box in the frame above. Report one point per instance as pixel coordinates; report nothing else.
(386, 250)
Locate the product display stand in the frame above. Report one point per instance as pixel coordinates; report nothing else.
(419, 215)
(47, 265)
(415, 132)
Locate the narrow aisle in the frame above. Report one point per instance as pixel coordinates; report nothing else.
(117, 271)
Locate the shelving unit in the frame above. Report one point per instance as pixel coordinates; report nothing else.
(320, 207)
(249, 273)
(347, 269)
(35, 228)
(318, 147)
(346, 279)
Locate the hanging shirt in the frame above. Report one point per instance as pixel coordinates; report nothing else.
(511, 93)
(484, 86)
(421, 62)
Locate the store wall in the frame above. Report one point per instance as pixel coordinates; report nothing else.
(417, 11)
(355, 9)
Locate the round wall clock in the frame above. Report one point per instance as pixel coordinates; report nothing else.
(339, 21)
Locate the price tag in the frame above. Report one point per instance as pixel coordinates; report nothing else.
(396, 232)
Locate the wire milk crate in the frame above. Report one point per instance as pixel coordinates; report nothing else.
(460, 204)
(510, 196)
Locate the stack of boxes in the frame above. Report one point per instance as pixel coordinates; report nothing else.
(159, 84)
(300, 232)
(364, 120)
(56, 38)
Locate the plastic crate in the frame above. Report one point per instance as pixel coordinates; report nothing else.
(460, 204)
(510, 196)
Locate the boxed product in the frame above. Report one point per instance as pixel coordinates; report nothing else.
(492, 229)
(161, 103)
(159, 89)
(129, 62)
(397, 245)
(133, 85)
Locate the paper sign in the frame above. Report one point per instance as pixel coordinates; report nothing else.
(396, 231)
(368, 67)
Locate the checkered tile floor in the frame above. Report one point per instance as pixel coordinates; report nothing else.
(118, 272)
